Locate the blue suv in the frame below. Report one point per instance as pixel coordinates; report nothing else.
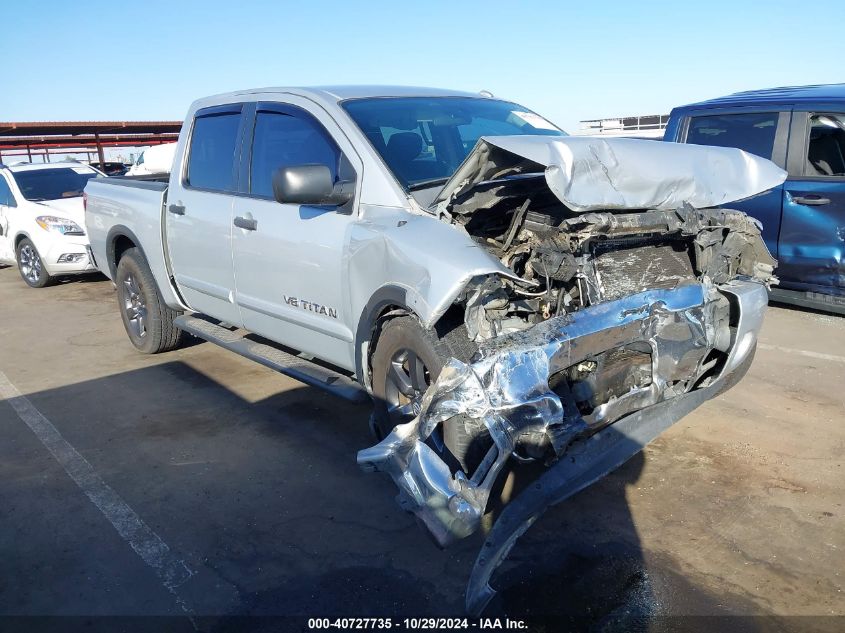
(802, 130)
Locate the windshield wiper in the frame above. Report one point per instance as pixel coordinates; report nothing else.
(425, 184)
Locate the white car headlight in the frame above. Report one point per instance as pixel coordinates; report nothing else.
(59, 225)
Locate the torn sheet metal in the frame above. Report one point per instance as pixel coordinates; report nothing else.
(507, 388)
(590, 459)
(590, 173)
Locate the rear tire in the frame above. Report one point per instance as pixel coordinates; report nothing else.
(147, 319)
(407, 359)
(31, 266)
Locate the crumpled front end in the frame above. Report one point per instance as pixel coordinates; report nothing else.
(632, 301)
(539, 390)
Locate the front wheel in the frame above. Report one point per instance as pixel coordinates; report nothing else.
(147, 319)
(30, 265)
(407, 360)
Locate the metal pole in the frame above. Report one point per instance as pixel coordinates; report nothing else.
(28, 153)
(100, 154)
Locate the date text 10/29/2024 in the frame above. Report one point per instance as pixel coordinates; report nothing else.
(417, 624)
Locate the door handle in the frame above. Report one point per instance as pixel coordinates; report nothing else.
(811, 201)
(176, 209)
(246, 223)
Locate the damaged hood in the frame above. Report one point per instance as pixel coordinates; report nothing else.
(590, 173)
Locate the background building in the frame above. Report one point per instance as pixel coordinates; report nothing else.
(648, 126)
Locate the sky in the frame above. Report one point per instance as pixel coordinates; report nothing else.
(569, 61)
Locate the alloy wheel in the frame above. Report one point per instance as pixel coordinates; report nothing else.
(407, 380)
(30, 264)
(135, 306)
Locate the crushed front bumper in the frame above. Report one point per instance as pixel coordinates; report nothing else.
(697, 338)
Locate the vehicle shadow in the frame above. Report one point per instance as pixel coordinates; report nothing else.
(80, 279)
(69, 279)
(264, 496)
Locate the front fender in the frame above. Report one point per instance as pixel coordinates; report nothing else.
(19, 235)
(416, 262)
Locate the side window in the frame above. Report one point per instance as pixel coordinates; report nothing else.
(211, 158)
(754, 133)
(826, 146)
(287, 140)
(6, 197)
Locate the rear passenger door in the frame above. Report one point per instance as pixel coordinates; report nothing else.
(812, 238)
(763, 133)
(199, 213)
(289, 258)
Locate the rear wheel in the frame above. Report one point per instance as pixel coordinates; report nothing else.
(31, 266)
(147, 319)
(407, 360)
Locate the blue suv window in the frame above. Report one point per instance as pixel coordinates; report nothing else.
(754, 133)
(826, 147)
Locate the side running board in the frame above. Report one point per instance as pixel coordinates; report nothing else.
(298, 368)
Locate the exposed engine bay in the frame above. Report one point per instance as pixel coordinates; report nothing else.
(570, 261)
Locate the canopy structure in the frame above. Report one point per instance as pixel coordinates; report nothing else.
(45, 138)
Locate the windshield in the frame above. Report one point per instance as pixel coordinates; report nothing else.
(52, 184)
(424, 140)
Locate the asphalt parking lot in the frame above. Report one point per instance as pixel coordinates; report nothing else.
(199, 482)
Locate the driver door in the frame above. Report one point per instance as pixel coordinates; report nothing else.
(7, 206)
(288, 258)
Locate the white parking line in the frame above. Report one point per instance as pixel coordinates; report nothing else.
(147, 544)
(802, 352)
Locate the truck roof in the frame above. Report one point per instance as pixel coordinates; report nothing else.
(776, 96)
(341, 93)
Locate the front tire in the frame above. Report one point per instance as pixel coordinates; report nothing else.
(31, 266)
(407, 360)
(147, 319)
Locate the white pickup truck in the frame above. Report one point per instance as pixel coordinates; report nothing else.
(503, 292)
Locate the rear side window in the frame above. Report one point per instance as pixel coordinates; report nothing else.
(6, 197)
(287, 140)
(826, 146)
(211, 161)
(754, 133)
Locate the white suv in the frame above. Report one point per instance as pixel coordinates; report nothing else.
(42, 220)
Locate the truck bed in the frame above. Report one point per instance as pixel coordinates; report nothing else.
(132, 207)
(162, 177)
